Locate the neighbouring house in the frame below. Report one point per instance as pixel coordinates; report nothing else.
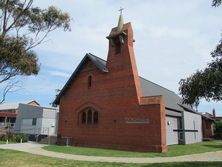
(9, 111)
(36, 121)
(207, 125)
(217, 127)
(107, 104)
(218, 118)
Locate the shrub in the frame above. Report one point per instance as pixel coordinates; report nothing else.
(3, 137)
(218, 126)
(14, 137)
(22, 136)
(218, 136)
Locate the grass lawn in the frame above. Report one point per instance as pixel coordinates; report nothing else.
(176, 150)
(10, 158)
(4, 142)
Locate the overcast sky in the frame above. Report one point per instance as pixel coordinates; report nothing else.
(174, 38)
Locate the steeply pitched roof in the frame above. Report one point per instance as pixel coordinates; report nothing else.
(14, 105)
(172, 100)
(99, 63)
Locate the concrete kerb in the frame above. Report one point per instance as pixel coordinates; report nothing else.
(37, 149)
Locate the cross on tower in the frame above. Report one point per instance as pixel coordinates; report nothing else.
(121, 10)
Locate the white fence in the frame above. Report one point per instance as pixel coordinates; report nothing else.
(33, 131)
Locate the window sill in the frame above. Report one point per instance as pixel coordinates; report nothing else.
(88, 126)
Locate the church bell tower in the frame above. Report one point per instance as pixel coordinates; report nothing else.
(121, 58)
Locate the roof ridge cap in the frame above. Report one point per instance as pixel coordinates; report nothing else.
(90, 54)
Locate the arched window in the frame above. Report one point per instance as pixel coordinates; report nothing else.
(89, 81)
(89, 116)
(95, 117)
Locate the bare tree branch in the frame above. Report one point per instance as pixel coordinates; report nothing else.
(9, 75)
(12, 86)
(38, 42)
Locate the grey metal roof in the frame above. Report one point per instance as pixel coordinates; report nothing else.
(172, 100)
(173, 113)
(100, 63)
(13, 105)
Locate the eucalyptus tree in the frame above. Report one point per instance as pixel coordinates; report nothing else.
(24, 26)
(206, 83)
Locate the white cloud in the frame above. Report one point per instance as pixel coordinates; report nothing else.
(59, 74)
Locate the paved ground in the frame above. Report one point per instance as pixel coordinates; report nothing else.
(37, 150)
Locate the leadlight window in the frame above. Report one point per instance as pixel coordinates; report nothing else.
(89, 116)
(83, 117)
(95, 117)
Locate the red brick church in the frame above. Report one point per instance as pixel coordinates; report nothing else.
(105, 103)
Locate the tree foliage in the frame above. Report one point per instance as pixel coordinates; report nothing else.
(218, 126)
(216, 3)
(22, 28)
(205, 83)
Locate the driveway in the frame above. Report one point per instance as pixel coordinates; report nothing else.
(36, 149)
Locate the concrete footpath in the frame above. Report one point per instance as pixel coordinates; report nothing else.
(36, 149)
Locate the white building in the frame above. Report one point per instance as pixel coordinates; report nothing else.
(36, 120)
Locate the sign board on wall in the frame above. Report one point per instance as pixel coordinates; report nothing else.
(137, 120)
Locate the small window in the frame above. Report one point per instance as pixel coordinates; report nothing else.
(95, 117)
(34, 121)
(89, 117)
(89, 81)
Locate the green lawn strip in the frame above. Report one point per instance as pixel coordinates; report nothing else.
(176, 150)
(4, 142)
(9, 158)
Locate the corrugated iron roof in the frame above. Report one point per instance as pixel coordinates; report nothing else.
(14, 105)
